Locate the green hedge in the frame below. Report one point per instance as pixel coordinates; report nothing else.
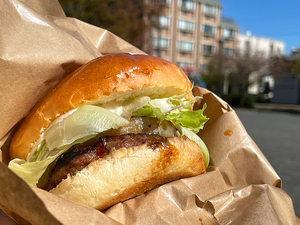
(235, 99)
(248, 101)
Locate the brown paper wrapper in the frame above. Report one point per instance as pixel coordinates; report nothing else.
(39, 46)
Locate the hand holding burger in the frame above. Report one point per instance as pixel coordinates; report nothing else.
(111, 130)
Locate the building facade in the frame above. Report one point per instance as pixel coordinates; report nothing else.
(266, 47)
(190, 32)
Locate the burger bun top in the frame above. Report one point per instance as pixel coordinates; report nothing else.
(115, 77)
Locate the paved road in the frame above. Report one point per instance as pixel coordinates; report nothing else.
(277, 134)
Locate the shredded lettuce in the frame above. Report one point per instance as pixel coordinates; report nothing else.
(177, 110)
(87, 121)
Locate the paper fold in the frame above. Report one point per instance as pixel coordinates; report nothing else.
(39, 46)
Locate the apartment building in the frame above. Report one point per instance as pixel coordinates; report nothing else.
(190, 32)
(266, 47)
(228, 37)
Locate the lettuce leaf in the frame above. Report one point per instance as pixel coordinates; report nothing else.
(194, 137)
(126, 108)
(87, 121)
(83, 124)
(30, 172)
(177, 110)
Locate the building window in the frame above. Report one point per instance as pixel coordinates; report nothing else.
(228, 52)
(164, 21)
(208, 17)
(187, 4)
(228, 33)
(168, 2)
(184, 33)
(208, 49)
(185, 25)
(209, 29)
(247, 46)
(278, 50)
(271, 49)
(160, 42)
(185, 45)
(204, 67)
(210, 9)
(185, 64)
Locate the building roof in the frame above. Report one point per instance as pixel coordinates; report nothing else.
(228, 23)
(296, 51)
(295, 54)
(251, 36)
(211, 2)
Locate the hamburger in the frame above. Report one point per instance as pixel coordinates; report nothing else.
(114, 129)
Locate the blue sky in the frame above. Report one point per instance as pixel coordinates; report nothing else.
(275, 19)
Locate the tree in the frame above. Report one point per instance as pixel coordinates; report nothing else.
(239, 72)
(294, 66)
(215, 74)
(249, 68)
(212, 76)
(278, 66)
(126, 19)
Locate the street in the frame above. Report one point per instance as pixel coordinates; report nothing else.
(277, 134)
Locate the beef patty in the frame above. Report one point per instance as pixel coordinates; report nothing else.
(79, 157)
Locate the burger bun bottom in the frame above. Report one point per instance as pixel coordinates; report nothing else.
(129, 172)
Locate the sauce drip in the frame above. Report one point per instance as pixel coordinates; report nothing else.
(228, 132)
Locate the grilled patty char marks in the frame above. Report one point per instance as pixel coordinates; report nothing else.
(78, 158)
(73, 161)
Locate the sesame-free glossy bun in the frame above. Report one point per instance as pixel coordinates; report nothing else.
(116, 77)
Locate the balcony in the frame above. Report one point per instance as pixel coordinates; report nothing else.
(185, 52)
(186, 26)
(185, 47)
(209, 14)
(159, 43)
(209, 30)
(208, 53)
(210, 10)
(209, 34)
(188, 6)
(208, 50)
(186, 31)
(229, 52)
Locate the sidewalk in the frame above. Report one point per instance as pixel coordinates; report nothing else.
(278, 107)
